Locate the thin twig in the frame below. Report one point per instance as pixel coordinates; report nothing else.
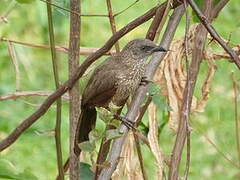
(74, 12)
(186, 172)
(83, 50)
(143, 110)
(140, 158)
(57, 84)
(28, 94)
(225, 156)
(112, 23)
(214, 33)
(136, 137)
(237, 124)
(11, 6)
(125, 8)
(140, 94)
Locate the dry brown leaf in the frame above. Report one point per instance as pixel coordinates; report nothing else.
(172, 75)
(128, 166)
(153, 140)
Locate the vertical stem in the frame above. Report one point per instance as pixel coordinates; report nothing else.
(59, 101)
(140, 158)
(187, 69)
(112, 22)
(74, 93)
(237, 125)
(183, 126)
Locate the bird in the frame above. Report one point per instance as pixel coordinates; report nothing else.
(114, 81)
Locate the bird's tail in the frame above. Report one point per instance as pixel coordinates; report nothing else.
(87, 121)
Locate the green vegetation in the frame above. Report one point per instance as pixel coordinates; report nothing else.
(34, 152)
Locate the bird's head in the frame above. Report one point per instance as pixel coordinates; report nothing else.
(141, 48)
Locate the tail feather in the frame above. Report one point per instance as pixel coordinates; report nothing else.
(87, 122)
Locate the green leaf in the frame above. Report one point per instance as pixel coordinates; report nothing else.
(114, 123)
(25, 1)
(85, 171)
(112, 134)
(153, 89)
(114, 108)
(104, 114)
(95, 135)
(87, 146)
(160, 102)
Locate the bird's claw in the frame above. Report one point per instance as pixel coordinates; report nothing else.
(145, 81)
(129, 124)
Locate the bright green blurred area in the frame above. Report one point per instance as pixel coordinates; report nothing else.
(35, 151)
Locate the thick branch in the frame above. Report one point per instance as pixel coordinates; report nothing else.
(74, 92)
(140, 94)
(155, 23)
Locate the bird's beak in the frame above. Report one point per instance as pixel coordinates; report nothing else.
(159, 49)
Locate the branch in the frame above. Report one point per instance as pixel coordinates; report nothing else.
(237, 125)
(218, 8)
(57, 84)
(74, 92)
(155, 23)
(83, 50)
(163, 19)
(75, 12)
(186, 171)
(27, 94)
(125, 8)
(140, 94)
(69, 84)
(112, 22)
(183, 125)
(228, 157)
(214, 33)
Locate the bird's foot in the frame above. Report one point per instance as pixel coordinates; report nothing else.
(126, 122)
(145, 81)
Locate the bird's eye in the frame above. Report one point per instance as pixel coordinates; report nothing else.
(146, 48)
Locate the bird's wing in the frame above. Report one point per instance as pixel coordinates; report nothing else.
(101, 86)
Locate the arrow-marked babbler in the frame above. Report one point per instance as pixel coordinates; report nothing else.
(114, 81)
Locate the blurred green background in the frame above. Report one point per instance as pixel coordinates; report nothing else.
(34, 152)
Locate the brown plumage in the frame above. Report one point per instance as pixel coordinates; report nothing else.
(114, 80)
